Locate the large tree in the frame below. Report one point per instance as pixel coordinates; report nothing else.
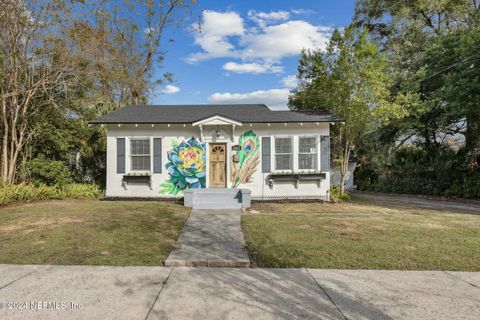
(351, 79)
(34, 70)
(405, 30)
(119, 46)
(432, 46)
(75, 60)
(451, 81)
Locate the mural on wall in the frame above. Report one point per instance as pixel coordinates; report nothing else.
(248, 159)
(186, 167)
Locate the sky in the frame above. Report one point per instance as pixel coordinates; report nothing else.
(244, 51)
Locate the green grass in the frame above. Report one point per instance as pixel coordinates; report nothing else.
(362, 235)
(90, 232)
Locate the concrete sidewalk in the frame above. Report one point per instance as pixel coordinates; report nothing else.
(88, 292)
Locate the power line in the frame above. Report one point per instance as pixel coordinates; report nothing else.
(452, 65)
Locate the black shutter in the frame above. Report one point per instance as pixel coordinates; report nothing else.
(325, 153)
(120, 155)
(157, 155)
(266, 155)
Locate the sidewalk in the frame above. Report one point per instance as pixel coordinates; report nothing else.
(233, 293)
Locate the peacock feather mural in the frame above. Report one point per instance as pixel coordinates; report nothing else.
(248, 159)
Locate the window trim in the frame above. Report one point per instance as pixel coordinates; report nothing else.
(274, 153)
(136, 138)
(317, 153)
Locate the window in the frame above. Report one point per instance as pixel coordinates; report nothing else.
(140, 155)
(283, 154)
(307, 153)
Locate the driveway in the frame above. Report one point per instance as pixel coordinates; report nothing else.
(467, 206)
(88, 292)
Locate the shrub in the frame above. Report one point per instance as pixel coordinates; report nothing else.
(10, 194)
(336, 196)
(49, 172)
(81, 191)
(411, 170)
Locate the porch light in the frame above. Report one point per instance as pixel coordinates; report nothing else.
(217, 132)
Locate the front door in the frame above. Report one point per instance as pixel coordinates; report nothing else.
(217, 168)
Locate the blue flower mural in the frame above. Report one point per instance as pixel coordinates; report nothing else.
(186, 167)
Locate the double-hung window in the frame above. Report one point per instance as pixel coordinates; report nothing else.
(283, 153)
(140, 154)
(307, 153)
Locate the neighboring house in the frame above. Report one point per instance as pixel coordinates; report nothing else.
(349, 183)
(161, 151)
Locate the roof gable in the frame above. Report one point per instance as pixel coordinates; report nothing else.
(217, 120)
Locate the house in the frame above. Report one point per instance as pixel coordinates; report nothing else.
(162, 151)
(335, 176)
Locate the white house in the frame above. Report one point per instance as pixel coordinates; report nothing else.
(161, 151)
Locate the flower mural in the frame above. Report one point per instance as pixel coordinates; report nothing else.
(248, 159)
(186, 167)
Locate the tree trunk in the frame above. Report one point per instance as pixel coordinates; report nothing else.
(344, 167)
(4, 172)
(5, 138)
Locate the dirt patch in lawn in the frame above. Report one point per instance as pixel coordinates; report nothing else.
(26, 226)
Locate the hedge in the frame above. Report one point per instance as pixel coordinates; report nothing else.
(10, 194)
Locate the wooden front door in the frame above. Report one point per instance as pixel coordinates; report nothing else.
(218, 165)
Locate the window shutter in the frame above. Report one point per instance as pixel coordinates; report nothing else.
(157, 155)
(266, 155)
(325, 153)
(120, 155)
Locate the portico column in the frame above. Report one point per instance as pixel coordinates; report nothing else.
(201, 132)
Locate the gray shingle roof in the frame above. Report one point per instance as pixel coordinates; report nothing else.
(251, 113)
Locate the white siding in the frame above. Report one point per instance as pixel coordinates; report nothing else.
(259, 185)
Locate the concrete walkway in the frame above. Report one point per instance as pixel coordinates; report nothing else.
(88, 292)
(211, 238)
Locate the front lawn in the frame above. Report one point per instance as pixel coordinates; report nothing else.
(90, 232)
(362, 235)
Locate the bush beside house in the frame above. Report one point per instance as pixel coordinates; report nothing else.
(11, 194)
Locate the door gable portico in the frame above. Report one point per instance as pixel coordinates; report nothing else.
(216, 121)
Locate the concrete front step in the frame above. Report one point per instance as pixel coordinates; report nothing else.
(216, 206)
(215, 203)
(221, 198)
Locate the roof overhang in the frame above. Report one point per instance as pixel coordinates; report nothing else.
(217, 120)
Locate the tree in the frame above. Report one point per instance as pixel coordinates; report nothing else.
(34, 70)
(432, 47)
(405, 29)
(119, 45)
(71, 61)
(351, 79)
(452, 80)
